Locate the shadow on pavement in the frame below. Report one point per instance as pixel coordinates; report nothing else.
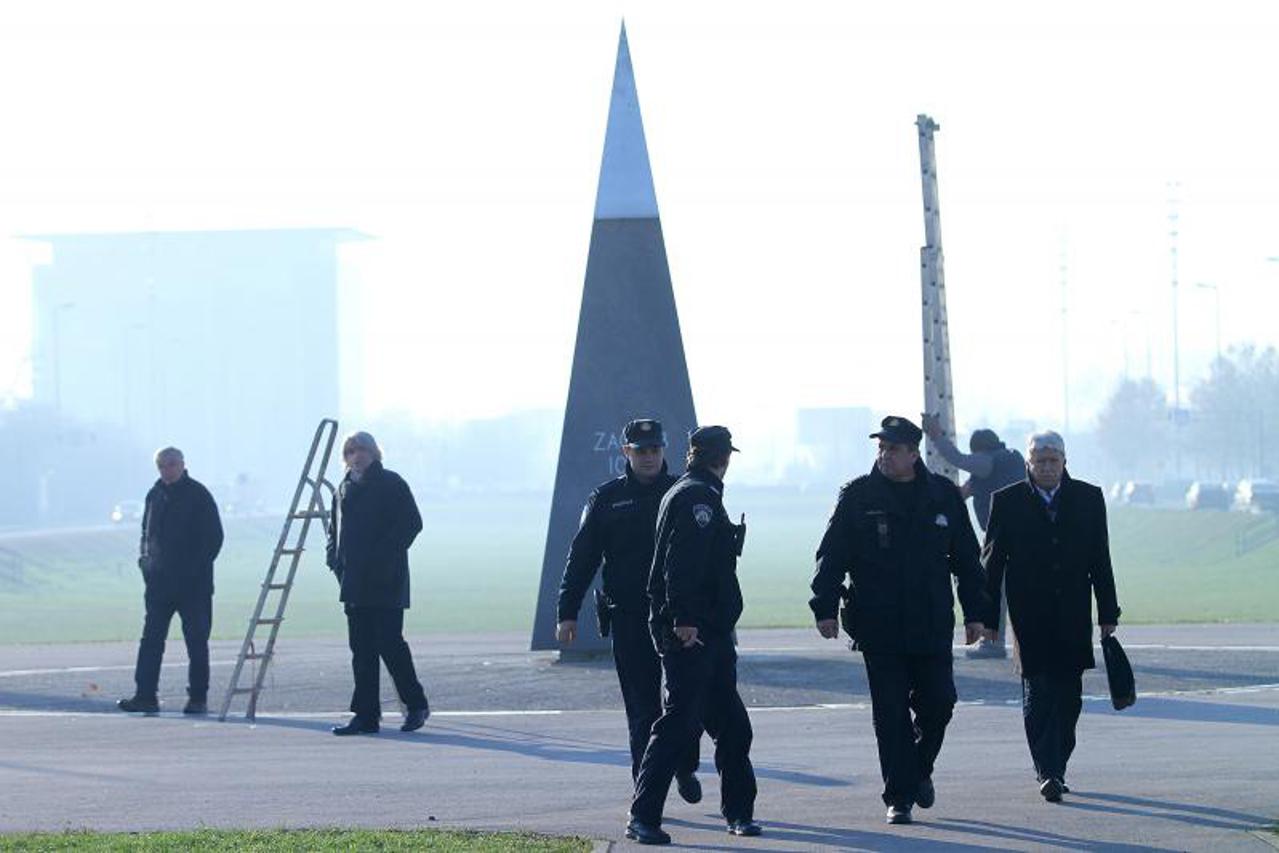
(1165, 810)
(1037, 837)
(806, 837)
(546, 747)
(1195, 711)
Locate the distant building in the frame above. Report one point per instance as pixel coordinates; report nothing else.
(223, 343)
(833, 444)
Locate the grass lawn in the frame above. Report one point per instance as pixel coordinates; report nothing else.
(476, 568)
(291, 839)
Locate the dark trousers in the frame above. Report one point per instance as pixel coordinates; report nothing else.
(1050, 704)
(373, 633)
(639, 673)
(701, 692)
(912, 699)
(196, 612)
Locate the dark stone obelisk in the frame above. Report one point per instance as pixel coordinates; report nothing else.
(629, 359)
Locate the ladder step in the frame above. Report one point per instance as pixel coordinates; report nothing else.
(310, 514)
(276, 585)
(275, 621)
(257, 656)
(292, 550)
(238, 690)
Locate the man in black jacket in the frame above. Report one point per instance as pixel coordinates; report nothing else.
(695, 602)
(374, 521)
(899, 534)
(1048, 545)
(181, 537)
(617, 527)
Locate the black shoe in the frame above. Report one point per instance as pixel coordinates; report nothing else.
(925, 794)
(357, 726)
(646, 833)
(1065, 789)
(689, 787)
(135, 705)
(415, 718)
(1051, 790)
(196, 707)
(744, 827)
(899, 815)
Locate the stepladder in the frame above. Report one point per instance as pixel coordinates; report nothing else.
(308, 505)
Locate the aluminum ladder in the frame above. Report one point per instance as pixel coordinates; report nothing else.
(307, 506)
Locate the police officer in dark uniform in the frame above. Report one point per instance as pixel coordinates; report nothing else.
(696, 601)
(899, 533)
(617, 527)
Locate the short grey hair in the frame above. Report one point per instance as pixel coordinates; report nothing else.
(362, 439)
(1046, 440)
(168, 453)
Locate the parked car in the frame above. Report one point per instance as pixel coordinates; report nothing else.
(1257, 496)
(127, 511)
(1139, 493)
(1202, 495)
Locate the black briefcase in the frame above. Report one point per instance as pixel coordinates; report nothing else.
(1123, 686)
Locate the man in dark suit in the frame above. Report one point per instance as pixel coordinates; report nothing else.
(1047, 539)
(375, 520)
(181, 537)
(899, 534)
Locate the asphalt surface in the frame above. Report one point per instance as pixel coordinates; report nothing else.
(523, 740)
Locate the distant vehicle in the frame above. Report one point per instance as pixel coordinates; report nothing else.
(1203, 495)
(1257, 496)
(1139, 493)
(127, 511)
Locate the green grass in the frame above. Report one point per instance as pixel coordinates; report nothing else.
(477, 563)
(290, 840)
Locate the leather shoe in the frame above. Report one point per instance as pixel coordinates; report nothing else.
(196, 707)
(415, 718)
(1065, 789)
(744, 828)
(357, 726)
(1051, 790)
(925, 794)
(689, 787)
(646, 833)
(899, 814)
(135, 705)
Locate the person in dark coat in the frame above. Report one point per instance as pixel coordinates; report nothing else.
(617, 527)
(1047, 544)
(899, 534)
(374, 521)
(991, 466)
(181, 537)
(695, 602)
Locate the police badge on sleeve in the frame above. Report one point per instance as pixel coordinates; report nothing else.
(702, 514)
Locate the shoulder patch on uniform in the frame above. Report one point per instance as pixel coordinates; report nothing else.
(702, 514)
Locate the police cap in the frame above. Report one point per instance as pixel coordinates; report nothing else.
(644, 432)
(712, 438)
(898, 430)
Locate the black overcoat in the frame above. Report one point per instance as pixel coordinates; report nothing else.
(181, 537)
(899, 558)
(374, 521)
(1053, 569)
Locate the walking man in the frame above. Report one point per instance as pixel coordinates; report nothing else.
(1048, 546)
(899, 534)
(696, 601)
(617, 527)
(181, 537)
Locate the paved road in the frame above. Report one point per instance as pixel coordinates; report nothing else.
(522, 740)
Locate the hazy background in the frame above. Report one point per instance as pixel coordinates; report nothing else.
(449, 155)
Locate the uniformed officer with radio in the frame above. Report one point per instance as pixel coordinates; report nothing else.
(618, 525)
(899, 534)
